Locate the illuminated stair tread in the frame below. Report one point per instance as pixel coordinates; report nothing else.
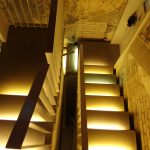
(33, 136)
(100, 78)
(37, 147)
(106, 103)
(108, 125)
(10, 107)
(44, 127)
(102, 89)
(92, 69)
(6, 128)
(111, 140)
(108, 120)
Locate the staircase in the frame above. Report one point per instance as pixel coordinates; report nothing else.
(42, 124)
(108, 124)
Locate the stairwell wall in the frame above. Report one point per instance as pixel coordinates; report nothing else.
(134, 74)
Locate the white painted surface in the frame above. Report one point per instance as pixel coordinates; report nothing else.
(132, 41)
(131, 7)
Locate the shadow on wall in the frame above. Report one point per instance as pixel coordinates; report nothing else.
(20, 59)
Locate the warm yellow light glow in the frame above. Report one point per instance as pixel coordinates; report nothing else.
(37, 118)
(2, 148)
(98, 69)
(64, 63)
(104, 103)
(66, 42)
(111, 140)
(98, 82)
(15, 91)
(92, 93)
(76, 58)
(102, 90)
(105, 126)
(37, 147)
(107, 147)
(100, 79)
(108, 120)
(13, 117)
(6, 128)
(16, 88)
(96, 72)
(104, 108)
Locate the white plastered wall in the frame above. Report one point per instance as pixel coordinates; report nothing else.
(124, 33)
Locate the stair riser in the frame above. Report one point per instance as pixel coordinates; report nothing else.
(98, 70)
(103, 103)
(100, 79)
(111, 140)
(108, 120)
(102, 90)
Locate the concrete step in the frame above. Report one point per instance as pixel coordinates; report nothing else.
(105, 103)
(11, 105)
(93, 69)
(108, 120)
(100, 78)
(102, 89)
(111, 140)
(35, 134)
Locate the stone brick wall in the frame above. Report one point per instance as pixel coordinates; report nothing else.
(105, 15)
(136, 84)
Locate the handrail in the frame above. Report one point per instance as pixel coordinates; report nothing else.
(83, 102)
(21, 126)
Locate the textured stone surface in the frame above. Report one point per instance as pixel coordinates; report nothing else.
(35, 12)
(136, 84)
(77, 14)
(145, 35)
(98, 12)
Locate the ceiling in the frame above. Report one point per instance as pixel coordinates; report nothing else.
(83, 18)
(30, 13)
(92, 18)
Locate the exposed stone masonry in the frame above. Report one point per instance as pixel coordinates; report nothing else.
(136, 85)
(87, 12)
